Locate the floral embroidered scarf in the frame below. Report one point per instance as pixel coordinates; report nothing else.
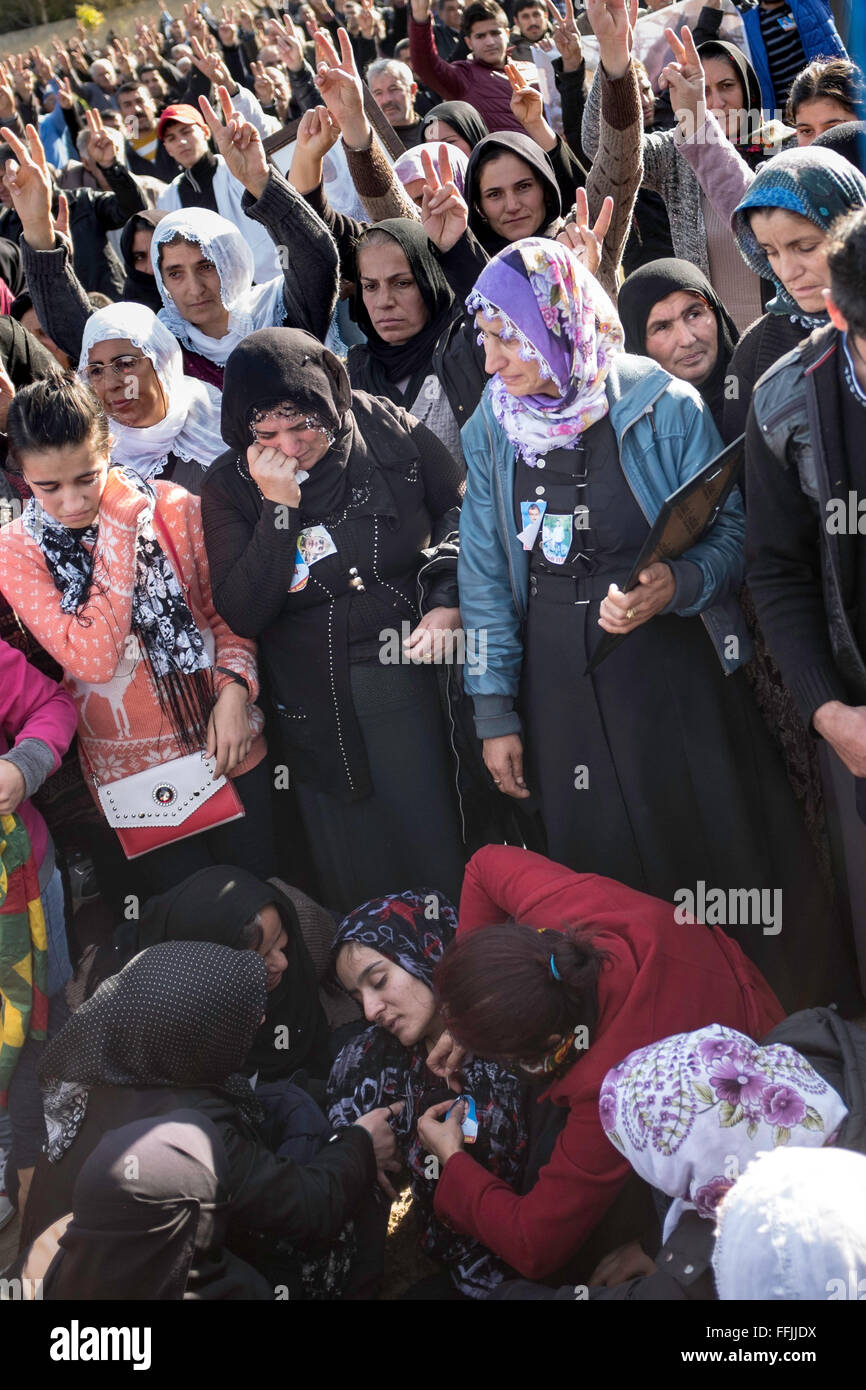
(692, 1111)
(564, 321)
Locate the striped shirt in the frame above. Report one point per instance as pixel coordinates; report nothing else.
(785, 53)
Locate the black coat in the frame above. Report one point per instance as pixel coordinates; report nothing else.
(403, 493)
(268, 1194)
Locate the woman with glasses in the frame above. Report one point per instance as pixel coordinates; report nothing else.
(109, 573)
(331, 528)
(162, 422)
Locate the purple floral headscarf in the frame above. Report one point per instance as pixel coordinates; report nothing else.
(692, 1111)
(565, 322)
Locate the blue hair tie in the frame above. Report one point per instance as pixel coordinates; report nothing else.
(553, 970)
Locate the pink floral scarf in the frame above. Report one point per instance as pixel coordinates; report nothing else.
(564, 321)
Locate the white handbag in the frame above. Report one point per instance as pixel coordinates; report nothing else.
(167, 803)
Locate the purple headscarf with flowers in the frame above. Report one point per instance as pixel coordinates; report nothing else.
(692, 1111)
(565, 322)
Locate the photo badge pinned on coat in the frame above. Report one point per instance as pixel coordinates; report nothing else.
(556, 538)
(314, 543)
(469, 1123)
(531, 514)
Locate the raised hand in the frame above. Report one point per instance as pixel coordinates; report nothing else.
(263, 84)
(228, 29)
(585, 241)
(42, 67)
(526, 103)
(102, 147)
(289, 46)
(212, 66)
(421, 11)
(8, 799)
(367, 20)
(566, 36)
(8, 105)
(685, 79)
(238, 142)
(61, 56)
(318, 132)
(61, 219)
(65, 94)
(339, 82)
(444, 214)
(30, 187)
(612, 22)
(195, 25)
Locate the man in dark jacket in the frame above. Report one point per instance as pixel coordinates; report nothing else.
(145, 152)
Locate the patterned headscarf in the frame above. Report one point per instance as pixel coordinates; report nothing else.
(183, 1013)
(564, 321)
(816, 184)
(412, 929)
(690, 1112)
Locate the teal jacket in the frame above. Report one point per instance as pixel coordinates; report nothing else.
(665, 434)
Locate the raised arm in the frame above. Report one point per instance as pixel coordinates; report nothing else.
(310, 278)
(427, 65)
(59, 298)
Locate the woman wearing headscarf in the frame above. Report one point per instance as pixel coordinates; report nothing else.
(163, 423)
(410, 170)
(230, 906)
(140, 284)
(782, 228)
(455, 123)
(512, 190)
(561, 974)
(159, 1235)
(671, 313)
(384, 955)
(420, 351)
(171, 1032)
(110, 574)
(689, 1114)
(203, 267)
(712, 87)
(654, 768)
(330, 520)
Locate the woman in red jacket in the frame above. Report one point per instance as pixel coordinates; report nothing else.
(597, 971)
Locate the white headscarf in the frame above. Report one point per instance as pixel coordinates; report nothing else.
(249, 307)
(794, 1227)
(690, 1112)
(191, 426)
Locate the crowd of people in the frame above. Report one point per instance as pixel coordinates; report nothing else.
(333, 862)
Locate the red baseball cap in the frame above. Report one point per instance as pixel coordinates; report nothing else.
(183, 115)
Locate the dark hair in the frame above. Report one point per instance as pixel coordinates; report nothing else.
(528, 5)
(54, 412)
(499, 995)
(846, 261)
(478, 12)
(20, 305)
(177, 240)
(828, 79)
(129, 86)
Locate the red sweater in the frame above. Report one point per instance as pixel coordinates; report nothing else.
(661, 978)
(487, 89)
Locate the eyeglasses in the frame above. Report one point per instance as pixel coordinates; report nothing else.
(120, 367)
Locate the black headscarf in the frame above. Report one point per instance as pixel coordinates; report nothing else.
(137, 286)
(643, 289)
(753, 150)
(516, 143)
(393, 362)
(847, 139)
(154, 1229)
(462, 118)
(287, 364)
(215, 904)
(183, 1013)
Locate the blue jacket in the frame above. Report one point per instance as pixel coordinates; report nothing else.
(818, 35)
(665, 434)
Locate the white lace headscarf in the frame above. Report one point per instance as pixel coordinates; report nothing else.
(191, 425)
(249, 306)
